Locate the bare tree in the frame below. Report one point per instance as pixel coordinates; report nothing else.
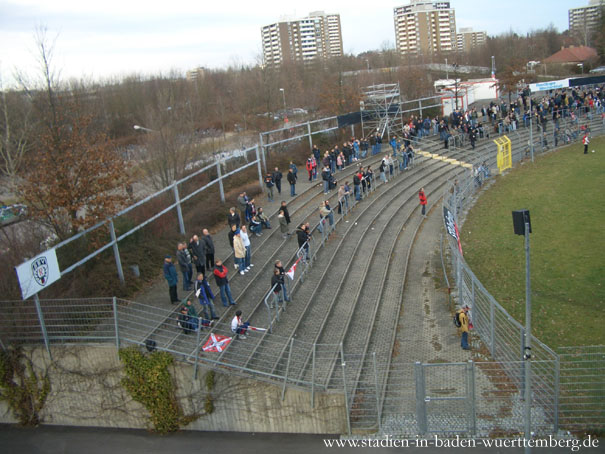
(15, 133)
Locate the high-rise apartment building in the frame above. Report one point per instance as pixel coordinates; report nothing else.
(583, 21)
(425, 27)
(313, 37)
(467, 39)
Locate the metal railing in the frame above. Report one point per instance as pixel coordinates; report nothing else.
(504, 337)
(480, 398)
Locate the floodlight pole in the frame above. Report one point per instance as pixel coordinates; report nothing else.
(527, 356)
(522, 226)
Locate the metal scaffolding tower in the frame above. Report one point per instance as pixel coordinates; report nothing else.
(381, 110)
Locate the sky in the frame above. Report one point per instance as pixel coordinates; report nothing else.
(107, 39)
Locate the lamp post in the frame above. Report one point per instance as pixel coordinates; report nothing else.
(493, 67)
(447, 76)
(142, 128)
(522, 226)
(456, 84)
(283, 94)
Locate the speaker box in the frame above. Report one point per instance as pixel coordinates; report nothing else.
(519, 219)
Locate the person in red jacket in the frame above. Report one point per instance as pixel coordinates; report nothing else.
(220, 276)
(422, 198)
(585, 141)
(310, 166)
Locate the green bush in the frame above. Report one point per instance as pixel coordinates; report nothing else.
(21, 388)
(149, 382)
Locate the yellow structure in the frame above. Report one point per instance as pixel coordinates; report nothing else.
(504, 157)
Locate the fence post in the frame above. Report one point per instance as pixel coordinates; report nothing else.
(219, 173)
(179, 213)
(522, 354)
(262, 150)
(459, 279)
(473, 291)
(492, 327)
(310, 135)
(42, 324)
(115, 321)
(116, 251)
(313, 377)
(260, 172)
(420, 107)
(269, 311)
(197, 347)
(283, 391)
(276, 304)
(421, 419)
(378, 409)
(557, 391)
(344, 388)
(470, 380)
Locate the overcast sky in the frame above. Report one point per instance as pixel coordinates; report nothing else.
(106, 38)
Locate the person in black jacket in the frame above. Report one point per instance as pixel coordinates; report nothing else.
(277, 283)
(233, 218)
(196, 247)
(303, 234)
(325, 176)
(284, 208)
(291, 177)
(277, 175)
(208, 249)
(230, 235)
(269, 185)
(282, 272)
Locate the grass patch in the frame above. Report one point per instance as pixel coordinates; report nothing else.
(564, 192)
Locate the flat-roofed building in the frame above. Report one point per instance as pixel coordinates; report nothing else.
(584, 21)
(467, 39)
(425, 27)
(313, 37)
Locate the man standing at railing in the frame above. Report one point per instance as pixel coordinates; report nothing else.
(462, 315)
(197, 252)
(184, 259)
(325, 176)
(172, 278)
(220, 276)
(303, 236)
(269, 185)
(282, 272)
(277, 176)
(277, 283)
(205, 297)
(208, 249)
(291, 177)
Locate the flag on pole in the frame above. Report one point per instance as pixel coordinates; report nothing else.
(216, 343)
(254, 328)
(291, 271)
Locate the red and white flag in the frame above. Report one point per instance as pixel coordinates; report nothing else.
(216, 343)
(291, 271)
(254, 328)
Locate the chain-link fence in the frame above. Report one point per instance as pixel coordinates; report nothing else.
(407, 399)
(504, 337)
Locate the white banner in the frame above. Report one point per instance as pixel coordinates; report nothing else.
(38, 273)
(551, 85)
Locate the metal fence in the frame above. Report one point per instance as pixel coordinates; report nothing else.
(475, 398)
(504, 337)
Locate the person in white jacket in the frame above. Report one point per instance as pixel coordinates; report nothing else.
(246, 240)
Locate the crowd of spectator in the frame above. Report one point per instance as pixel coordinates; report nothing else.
(466, 124)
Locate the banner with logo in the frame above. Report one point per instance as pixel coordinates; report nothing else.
(550, 85)
(38, 273)
(451, 227)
